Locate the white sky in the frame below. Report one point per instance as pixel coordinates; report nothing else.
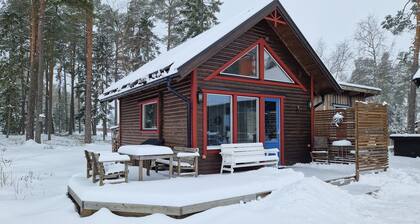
(329, 20)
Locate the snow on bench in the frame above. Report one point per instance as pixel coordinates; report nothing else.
(247, 155)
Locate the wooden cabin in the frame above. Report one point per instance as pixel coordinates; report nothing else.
(347, 98)
(253, 78)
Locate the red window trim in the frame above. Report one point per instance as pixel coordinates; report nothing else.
(262, 44)
(234, 95)
(147, 102)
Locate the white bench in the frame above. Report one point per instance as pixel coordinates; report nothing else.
(247, 155)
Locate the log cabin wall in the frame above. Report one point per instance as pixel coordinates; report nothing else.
(343, 100)
(172, 115)
(297, 123)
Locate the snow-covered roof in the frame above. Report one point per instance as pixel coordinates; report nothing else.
(405, 136)
(416, 78)
(169, 62)
(360, 88)
(417, 75)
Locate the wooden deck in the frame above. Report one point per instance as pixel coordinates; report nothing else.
(86, 208)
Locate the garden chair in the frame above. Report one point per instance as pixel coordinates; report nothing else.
(110, 166)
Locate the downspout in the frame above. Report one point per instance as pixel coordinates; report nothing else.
(188, 103)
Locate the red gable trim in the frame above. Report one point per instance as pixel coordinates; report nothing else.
(262, 45)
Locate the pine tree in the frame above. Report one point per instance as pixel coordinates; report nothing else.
(197, 17)
(169, 11)
(408, 19)
(141, 44)
(14, 63)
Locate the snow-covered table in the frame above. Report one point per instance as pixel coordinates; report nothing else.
(141, 153)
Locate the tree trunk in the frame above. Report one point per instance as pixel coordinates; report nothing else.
(38, 119)
(59, 103)
(66, 120)
(50, 99)
(34, 74)
(117, 50)
(47, 108)
(88, 93)
(411, 116)
(73, 75)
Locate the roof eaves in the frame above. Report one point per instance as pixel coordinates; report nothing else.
(309, 48)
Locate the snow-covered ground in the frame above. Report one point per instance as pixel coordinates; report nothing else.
(33, 180)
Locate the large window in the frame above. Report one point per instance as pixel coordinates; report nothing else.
(273, 71)
(219, 119)
(149, 116)
(247, 119)
(246, 66)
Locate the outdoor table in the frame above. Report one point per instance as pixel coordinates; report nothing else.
(147, 152)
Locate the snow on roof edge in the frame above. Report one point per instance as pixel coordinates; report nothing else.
(359, 86)
(417, 75)
(178, 56)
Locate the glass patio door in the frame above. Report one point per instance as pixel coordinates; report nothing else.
(272, 123)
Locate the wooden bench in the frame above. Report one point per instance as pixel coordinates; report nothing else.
(247, 155)
(185, 161)
(109, 166)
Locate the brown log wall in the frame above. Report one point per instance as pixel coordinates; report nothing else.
(296, 104)
(172, 116)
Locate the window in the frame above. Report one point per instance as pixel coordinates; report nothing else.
(246, 66)
(149, 116)
(247, 119)
(219, 119)
(273, 71)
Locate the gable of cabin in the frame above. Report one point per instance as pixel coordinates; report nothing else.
(295, 109)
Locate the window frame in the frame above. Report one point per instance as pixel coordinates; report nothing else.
(257, 113)
(142, 105)
(261, 44)
(217, 147)
(257, 47)
(281, 67)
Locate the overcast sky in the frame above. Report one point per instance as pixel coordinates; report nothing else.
(329, 20)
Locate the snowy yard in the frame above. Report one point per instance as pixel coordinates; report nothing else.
(34, 180)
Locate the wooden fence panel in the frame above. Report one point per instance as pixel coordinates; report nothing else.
(371, 137)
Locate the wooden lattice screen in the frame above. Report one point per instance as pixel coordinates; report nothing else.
(371, 137)
(366, 126)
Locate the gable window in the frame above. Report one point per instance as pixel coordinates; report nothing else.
(258, 64)
(246, 66)
(149, 115)
(273, 71)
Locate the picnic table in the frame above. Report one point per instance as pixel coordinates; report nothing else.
(142, 153)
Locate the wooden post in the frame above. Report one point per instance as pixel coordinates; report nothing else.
(356, 134)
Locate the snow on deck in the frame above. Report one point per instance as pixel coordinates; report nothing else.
(169, 62)
(186, 190)
(325, 172)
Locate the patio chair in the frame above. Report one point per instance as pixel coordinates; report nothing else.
(89, 164)
(319, 152)
(185, 161)
(113, 167)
